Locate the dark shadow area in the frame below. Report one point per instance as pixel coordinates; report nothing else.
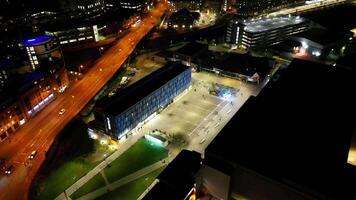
(71, 143)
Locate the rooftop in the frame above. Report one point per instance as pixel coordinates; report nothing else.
(297, 131)
(132, 94)
(177, 179)
(37, 40)
(321, 36)
(192, 48)
(245, 64)
(270, 23)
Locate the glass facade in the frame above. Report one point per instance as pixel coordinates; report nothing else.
(121, 124)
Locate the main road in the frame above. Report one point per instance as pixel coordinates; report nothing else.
(40, 132)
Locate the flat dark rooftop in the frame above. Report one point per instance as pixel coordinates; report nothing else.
(177, 179)
(244, 64)
(132, 94)
(296, 131)
(321, 36)
(192, 48)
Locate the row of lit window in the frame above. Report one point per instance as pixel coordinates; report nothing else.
(76, 40)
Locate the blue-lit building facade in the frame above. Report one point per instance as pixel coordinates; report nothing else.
(133, 105)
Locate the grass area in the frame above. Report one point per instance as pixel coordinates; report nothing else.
(133, 189)
(140, 155)
(62, 178)
(70, 172)
(95, 183)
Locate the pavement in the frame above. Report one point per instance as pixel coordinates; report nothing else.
(138, 174)
(40, 132)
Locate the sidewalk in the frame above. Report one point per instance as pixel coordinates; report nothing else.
(142, 172)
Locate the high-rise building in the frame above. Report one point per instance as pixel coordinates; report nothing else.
(44, 51)
(134, 5)
(188, 4)
(45, 56)
(252, 8)
(87, 6)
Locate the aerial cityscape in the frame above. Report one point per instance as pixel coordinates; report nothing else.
(178, 100)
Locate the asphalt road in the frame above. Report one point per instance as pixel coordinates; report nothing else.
(39, 133)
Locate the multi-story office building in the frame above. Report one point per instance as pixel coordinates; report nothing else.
(44, 51)
(183, 19)
(253, 8)
(86, 6)
(133, 5)
(264, 32)
(24, 96)
(76, 35)
(45, 56)
(188, 4)
(131, 106)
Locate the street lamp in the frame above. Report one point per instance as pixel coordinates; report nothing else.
(80, 68)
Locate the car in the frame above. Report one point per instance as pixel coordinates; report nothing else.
(32, 155)
(9, 169)
(62, 111)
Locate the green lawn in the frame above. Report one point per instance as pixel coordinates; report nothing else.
(140, 155)
(69, 172)
(62, 178)
(133, 189)
(95, 183)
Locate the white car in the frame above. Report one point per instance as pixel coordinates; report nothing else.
(32, 155)
(62, 111)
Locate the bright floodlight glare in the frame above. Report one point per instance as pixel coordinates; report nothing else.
(304, 45)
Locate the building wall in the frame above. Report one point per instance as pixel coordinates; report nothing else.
(121, 124)
(48, 53)
(31, 102)
(188, 4)
(76, 36)
(253, 8)
(236, 34)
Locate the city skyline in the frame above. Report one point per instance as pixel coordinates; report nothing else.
(103, 99)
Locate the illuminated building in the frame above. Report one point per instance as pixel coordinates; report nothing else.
(134, 5)
(183, 19)
(70, 37)
(253, 8)
(45, 56)
(44, 51)
(133, 105)
(263, 32)
(26, 96)
(85, 6)
(187, 4)
(237, 66)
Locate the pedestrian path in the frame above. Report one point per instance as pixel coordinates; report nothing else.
(138, 174)
(122, 148)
